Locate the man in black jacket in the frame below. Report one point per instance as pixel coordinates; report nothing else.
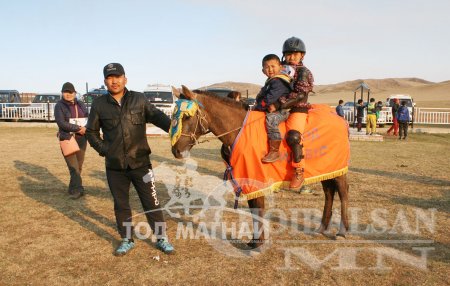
(122, 115)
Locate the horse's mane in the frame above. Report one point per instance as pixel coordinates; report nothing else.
(225, 100)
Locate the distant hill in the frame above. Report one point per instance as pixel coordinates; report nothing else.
(375, 85)
(242, 87)
(431, 94)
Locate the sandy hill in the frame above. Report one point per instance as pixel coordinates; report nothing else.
(425, 93)
(242, 87)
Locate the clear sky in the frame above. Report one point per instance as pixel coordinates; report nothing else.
(200, 42)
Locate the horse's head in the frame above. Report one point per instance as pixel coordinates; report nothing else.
(188, 122)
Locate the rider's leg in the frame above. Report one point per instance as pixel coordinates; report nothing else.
(293, 139)
(273, 120)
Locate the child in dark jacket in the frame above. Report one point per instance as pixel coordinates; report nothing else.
(276, 86)
(294, 51)
(359, 114)
(403, 119)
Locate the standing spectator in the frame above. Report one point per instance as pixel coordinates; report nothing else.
(360, 114)
(236, 95)
(339, 109)
(403, 119)
(394, 126)
(371, 121)
(122, 115)
(66, 109)
(378, 108)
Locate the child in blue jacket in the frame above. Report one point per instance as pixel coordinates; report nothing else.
(276, 86)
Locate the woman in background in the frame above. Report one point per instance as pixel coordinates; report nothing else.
(70, 115)
(236, 95)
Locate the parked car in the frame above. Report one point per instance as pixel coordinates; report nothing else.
(349, 113)
(249, 101)
(220, 91)
(350, 105)
(46, 98)
(9, 96)
(161, 96)
(402, 97)
(42, 106)
(89, 97)
(9, 104)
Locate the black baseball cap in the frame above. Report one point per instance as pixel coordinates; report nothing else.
(113, 69)
(68, 87)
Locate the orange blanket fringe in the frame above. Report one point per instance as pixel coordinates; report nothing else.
(326, 149)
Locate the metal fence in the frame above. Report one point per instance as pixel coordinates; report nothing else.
(38, 111)
(45, 112)
(419, 115)
(432, 115)
(27, 111)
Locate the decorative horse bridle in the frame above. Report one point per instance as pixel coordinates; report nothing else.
(201, 121)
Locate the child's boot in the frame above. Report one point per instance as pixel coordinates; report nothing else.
(297, 180)
(274, 154)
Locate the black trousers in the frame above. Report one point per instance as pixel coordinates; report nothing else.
(359, 123)
(75, 165)
(403, 131)
(144, 183)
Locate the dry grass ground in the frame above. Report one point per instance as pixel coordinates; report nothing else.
(47, 239)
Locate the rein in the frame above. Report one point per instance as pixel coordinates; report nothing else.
(201, 120)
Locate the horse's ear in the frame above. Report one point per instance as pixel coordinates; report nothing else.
(189, 94)
(176, 92)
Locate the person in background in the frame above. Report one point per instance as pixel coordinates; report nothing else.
(394, 126)
(339, 109)
(371, 121)
(359, 114)
(378, 108)
(235, 95)
(122, 115)
(66, 109)
(403, 120)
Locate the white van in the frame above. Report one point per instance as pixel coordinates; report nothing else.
(161, 96)
(402, 97)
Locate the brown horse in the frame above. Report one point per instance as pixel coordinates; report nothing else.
(224, 117)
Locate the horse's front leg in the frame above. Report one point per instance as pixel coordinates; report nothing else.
(342, 188)
(257, 210)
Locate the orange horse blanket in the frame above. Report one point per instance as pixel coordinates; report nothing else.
(326, 149)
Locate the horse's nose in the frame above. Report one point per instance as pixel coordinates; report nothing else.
(176, 153)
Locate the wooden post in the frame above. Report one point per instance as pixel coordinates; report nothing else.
(354, 109)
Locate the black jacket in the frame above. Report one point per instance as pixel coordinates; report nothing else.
(273, 89)
(360, 111)
(124, 142)
(62, 116)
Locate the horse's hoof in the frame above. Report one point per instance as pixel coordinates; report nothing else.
(340, 236)
(321, 230)
(255, 244)
(317, 233)
(306, 191)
